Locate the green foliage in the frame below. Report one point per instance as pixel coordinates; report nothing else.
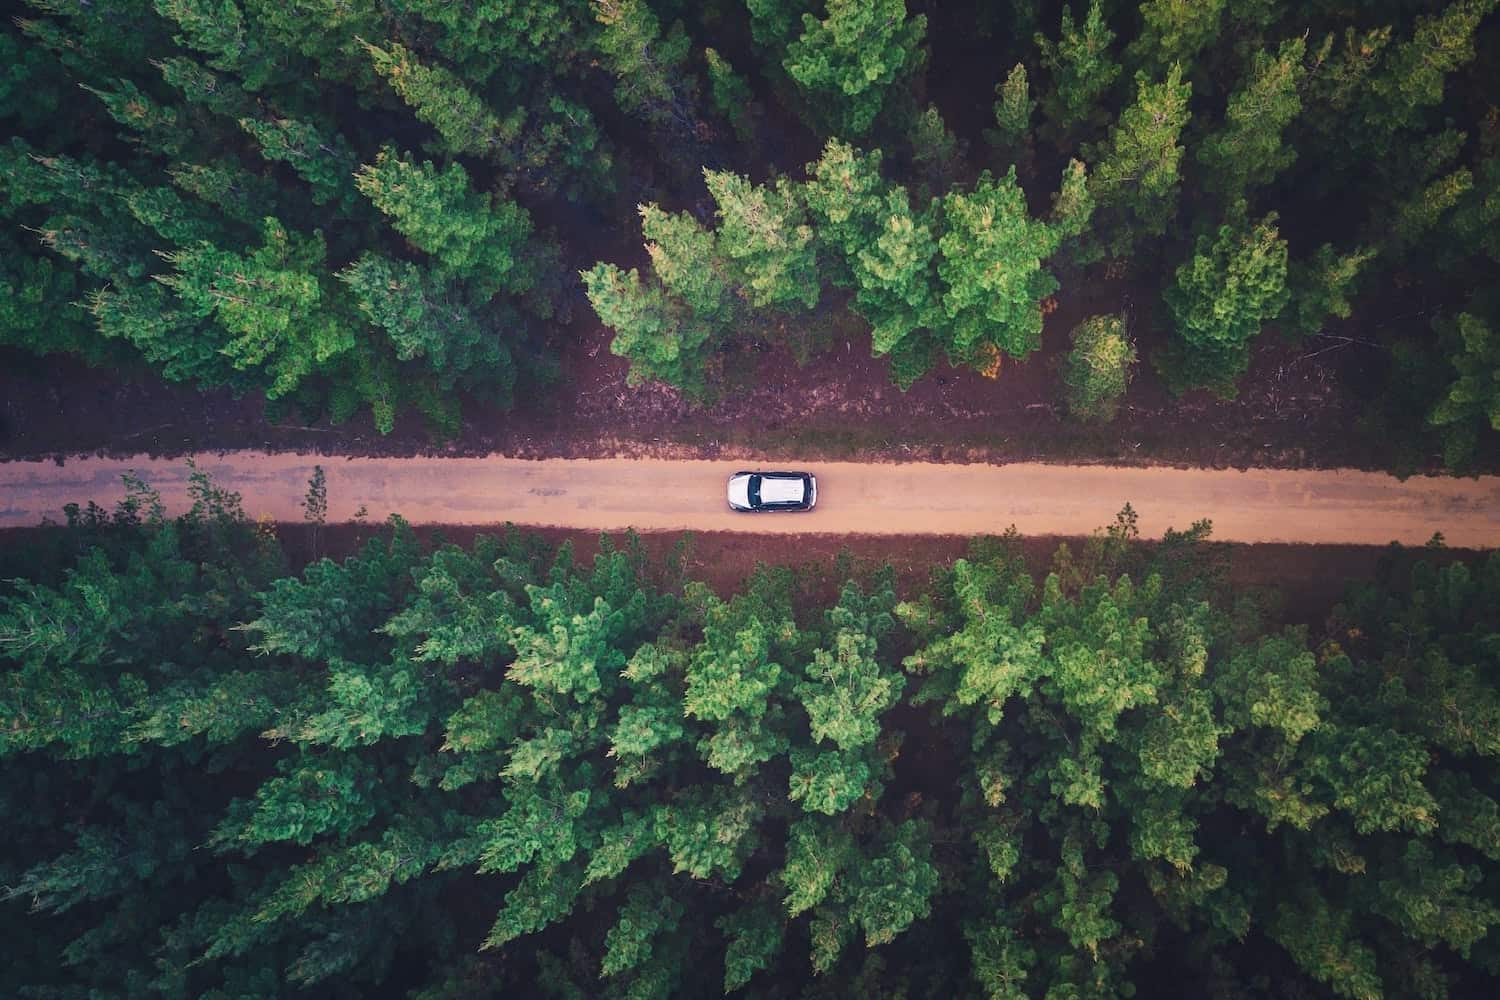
(731, 94)
(1136, 178)
(843, 194)
(426, 317)
(1412, 74)
(472, 236)
(685, 258)
(1081, 69)
(1098, 368)
(846, 62)
(326, 164)
(1234, 282)
(991, 263)
(661, 340)
(765, 232)
(1248, 151)
(1174, 32)
(754, 937)
(410, 134)
(278, 315)
(439, 98)
(651, 69)
(1472, 400)
(1322, 286)
(897, 282)
(1013, 110)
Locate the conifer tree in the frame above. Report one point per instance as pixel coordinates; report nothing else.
(275, 310)
(1136, 178)
(651, 68)
(1234, 282)
(428, 318)
(991, 267)
(327, 164)
(764, 230)
(1098, 368)
(1471, 401)
(1322, 287)
(843, 193)
(663, 341)
(1249, 150)
(846, 62)
(1173, 33)
(442, 100)
(1013, 109)
(731, 95)
(898, 291)
(1081, 70)
(1413, 71)
(472, 236)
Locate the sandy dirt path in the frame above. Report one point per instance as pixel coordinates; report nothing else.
(1265, 505)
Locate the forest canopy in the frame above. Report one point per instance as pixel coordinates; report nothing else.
(393, 207)
(427, 770)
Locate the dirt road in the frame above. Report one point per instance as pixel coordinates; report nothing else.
(1266, 505)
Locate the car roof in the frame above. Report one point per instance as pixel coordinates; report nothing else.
(782, 488)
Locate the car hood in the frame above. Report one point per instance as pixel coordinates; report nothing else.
(739, 491)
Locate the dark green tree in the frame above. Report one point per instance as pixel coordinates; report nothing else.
(1136, 173)
(1081, 69)
(1219, 300)
(846, 62)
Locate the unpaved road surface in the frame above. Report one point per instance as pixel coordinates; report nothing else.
(1260, 505)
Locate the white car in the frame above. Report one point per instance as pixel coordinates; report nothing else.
(767, 491)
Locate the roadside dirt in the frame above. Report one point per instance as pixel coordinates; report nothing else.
(1258, 505)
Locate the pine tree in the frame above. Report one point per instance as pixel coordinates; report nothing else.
(898, 291)
(442, 100)
(846, 62)
(991, 265)
(1412, 74)
(731, 94)
(1081, 70)
(1248, 151)
(428, 318)
(480, 238)
(651, 69)
(687, 260)
(1234, 282)
(662, 342)
(1013, 110)
(1136, 178)
(764, 231)
(1173, 33)
(1321, 287)
(274, 308)
(843, 193)
(326, 164)
(1098, 368)
(1472, 400)
(1073, 205)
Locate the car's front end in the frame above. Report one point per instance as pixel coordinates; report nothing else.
(739, 491)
